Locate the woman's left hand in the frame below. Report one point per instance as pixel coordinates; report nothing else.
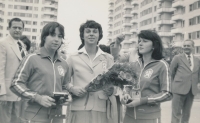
(134, 103)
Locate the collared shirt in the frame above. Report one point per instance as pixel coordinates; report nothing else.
(99, 52)
(192, 61)
(23, 47)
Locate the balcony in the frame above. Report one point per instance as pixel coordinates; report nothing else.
(134, 30)
(176, 30)
(134, 21)
(110, 15)
(134, 11)
(127, 6)
(110, 22)
(164, 10)
(127, 15)
(134, 2)
(126, 24)
(162, 21)
(48, 19)
(46, 12)
(133, 40)
(160, 0)
(111, 8)
(126, 33)
(110, 29)
(163, 33)
(111, 1)
(49, 5)
(178, 3)
(178, 16)
(110, 36)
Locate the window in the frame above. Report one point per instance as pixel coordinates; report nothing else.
(34, 37)
(34, 30)
(190, 36)
(10, 6)
(190, 7)
(154, 8)
(154, 19)
(198, 19)
(35, 16)
(36, 8)
(36, 1)
(27, 29)
(34, 22)
(198, 34)
(9, 13)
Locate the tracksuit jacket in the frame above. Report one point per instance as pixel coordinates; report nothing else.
(38, 75)
(155, 86)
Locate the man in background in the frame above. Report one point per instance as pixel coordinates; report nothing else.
(12, 51)
(185, 74)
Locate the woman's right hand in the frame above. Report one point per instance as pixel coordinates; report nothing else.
(78, 91)
(47, 101)
(125, 98)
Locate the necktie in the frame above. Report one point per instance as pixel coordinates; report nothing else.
(189, 60)
(21, 49)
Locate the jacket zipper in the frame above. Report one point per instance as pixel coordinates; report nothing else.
(139, 82)
(54, 74)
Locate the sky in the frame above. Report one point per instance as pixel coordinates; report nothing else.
(72, 13)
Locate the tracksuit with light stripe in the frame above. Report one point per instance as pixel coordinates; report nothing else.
(38, 75)
(155, 87)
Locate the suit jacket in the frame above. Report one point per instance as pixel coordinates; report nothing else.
(10, 57)
(183, 78)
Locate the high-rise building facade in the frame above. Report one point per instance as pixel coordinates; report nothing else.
(174, 20)
(34, 13)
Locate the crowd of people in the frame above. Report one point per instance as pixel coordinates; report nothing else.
(29, 81)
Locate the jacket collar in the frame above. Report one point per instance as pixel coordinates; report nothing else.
(43, 53)
(99, 51)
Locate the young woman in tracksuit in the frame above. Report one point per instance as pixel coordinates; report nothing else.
(153, 81)
(41, 74)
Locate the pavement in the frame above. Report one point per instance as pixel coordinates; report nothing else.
(166, 112)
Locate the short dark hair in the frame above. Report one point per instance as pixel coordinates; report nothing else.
(15, 19)
(49, 29)
(157, 43)
(90, 24)
(26, 41)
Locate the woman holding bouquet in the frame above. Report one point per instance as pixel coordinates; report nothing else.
(86, 64)
(41, 74)
(153, 83)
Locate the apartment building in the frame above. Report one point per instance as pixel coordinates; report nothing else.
(34, 13)
(173, 20)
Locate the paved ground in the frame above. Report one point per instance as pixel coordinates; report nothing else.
(166, 112)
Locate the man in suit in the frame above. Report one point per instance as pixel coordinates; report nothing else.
(185, 73)
(11, 52)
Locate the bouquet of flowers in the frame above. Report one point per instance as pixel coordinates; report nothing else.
(119, 74)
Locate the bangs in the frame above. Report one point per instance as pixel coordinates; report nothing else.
(53, 27)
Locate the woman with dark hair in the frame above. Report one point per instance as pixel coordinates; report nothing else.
(26, 42)
(153, 86)
(40, 75)
(87, 63)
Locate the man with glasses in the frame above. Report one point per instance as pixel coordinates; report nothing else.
(12, 51)
(185, 74)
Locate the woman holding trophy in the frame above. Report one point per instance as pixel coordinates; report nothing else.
(42, 79)
(153, 86)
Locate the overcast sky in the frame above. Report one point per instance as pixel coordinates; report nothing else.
(72, 13)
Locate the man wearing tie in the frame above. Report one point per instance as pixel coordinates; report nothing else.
(11, 52)
(185, 73)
